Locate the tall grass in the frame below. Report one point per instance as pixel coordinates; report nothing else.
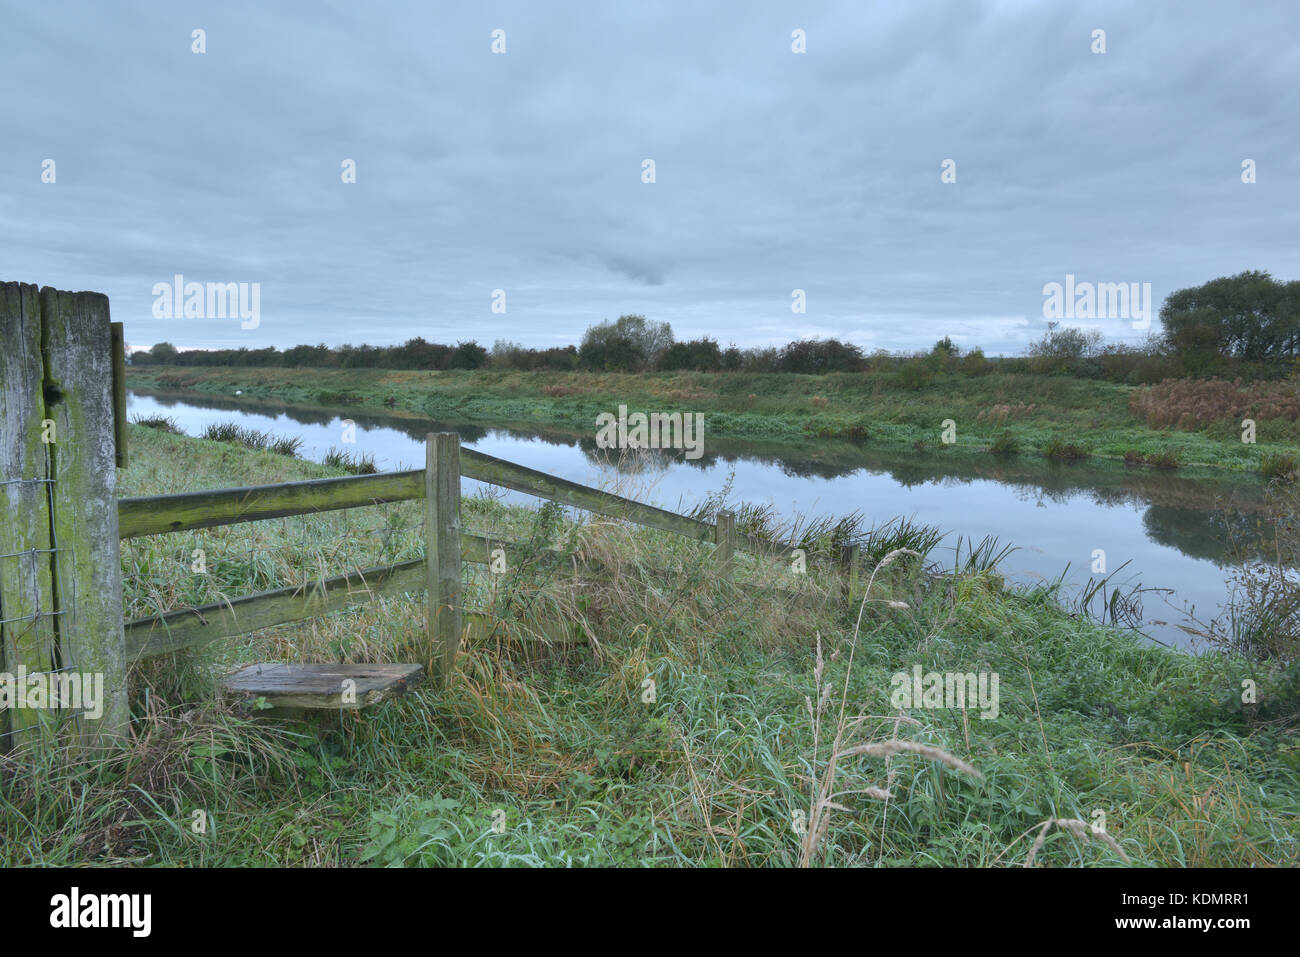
(549, 722)
(252, 438)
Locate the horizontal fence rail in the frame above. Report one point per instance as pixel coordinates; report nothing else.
(187, 627)
(161, 514)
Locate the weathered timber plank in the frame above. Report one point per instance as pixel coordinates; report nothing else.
(78, 348)
(25, 575)
(159, 514)
(323, 685)
(487, 468)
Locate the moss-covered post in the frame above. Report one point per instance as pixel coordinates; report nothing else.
(77, 343)
(724, 536)
(27, 601)
(60, 572)
(442, 551)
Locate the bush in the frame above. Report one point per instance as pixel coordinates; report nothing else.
(817, 357)
(1005, 444)
(1280, 465)
(698, 355)
(1060, 450)
(913, 375)
(1168, 459)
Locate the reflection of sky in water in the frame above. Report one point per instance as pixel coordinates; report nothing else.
(1051, 532)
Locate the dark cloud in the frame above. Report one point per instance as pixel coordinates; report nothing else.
(775, 171)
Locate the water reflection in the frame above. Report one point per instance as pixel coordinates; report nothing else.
(1206, 517)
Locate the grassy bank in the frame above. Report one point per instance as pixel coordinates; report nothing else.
(562, 747)
(1166, 426)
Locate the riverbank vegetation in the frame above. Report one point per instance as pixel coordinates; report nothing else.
(1023, 414)
(771, 696)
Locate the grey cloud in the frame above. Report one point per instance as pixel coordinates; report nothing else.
(775, 171)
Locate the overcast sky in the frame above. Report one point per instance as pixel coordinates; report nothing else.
(522, 171)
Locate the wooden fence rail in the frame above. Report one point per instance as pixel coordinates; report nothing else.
(62, 430)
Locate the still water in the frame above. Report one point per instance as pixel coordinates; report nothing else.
(1175, 531)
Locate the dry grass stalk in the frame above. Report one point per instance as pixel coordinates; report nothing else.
(1079, 829)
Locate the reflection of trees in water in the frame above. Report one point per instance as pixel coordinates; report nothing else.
(1201, 518)
(1223, 536)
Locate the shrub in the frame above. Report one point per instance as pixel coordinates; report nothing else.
(1168, 459)
(162, 423)
(1062, 451)
(913, 375)
(1005, 444)
(1280, 465)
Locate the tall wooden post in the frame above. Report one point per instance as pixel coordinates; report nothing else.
(60, 577)
(724, 536)
(27, 638)
(442, 550)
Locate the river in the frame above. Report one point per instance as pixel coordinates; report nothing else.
(1174, 530)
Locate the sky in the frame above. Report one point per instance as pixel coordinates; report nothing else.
(503, 195)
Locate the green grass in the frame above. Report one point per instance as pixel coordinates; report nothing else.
(561, 745)
(873, 408)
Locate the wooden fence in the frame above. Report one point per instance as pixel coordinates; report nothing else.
(63, 420)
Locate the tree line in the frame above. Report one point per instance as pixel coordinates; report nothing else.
(1248, 322)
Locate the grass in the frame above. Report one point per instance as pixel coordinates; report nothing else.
(354, 463)
(1005, 444)
(164, 423)
(874, 408)
(1060, 450)
(1282, 465)
(768, 736)
(252, 438)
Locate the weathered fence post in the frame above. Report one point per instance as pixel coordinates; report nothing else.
(60, 571)
(850, 560)
(26, 596)
(724, 535)
(119, 392)
(442, 550)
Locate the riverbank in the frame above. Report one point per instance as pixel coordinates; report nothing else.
(1031, 415)
(548, 755)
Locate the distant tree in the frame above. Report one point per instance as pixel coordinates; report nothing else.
(1060, 350)
(699, 355)
(817, 357)
(318, 356)
(945, 347)
(629, 344)
(1249, 316)
(468, 355)
(163, 353)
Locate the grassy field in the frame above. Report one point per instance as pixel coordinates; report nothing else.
(771, 738)
(1159, 426)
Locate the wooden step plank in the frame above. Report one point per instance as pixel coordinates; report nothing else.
(322, 685)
